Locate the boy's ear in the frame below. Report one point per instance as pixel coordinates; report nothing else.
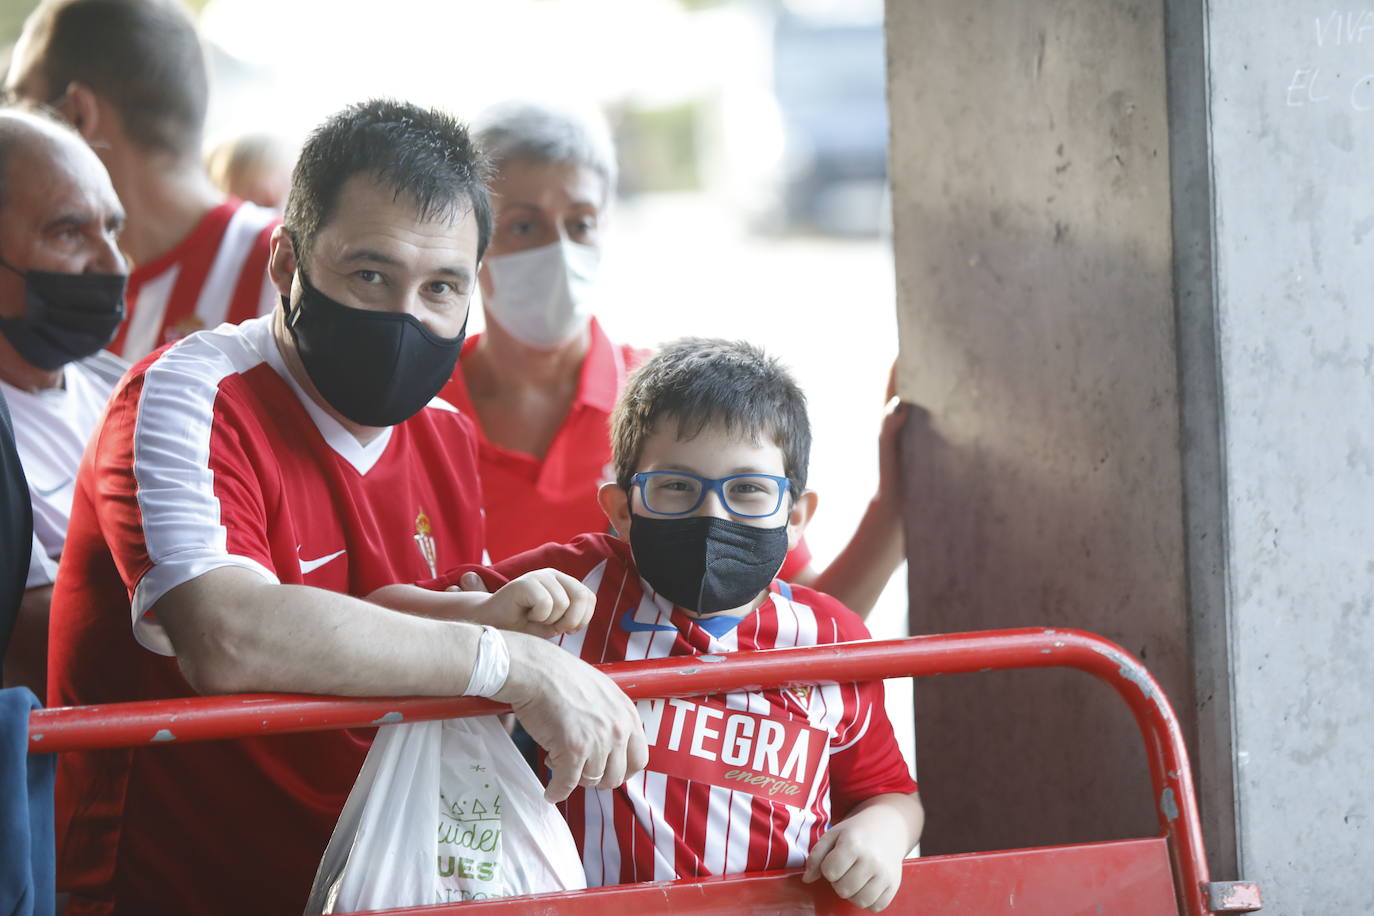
(615, 502)
(802, 509)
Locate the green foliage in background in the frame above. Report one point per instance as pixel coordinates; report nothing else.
(14, 12)
(658, 148)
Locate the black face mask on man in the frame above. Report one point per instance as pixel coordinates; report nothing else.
(66, 316)
(706, 564)
(375, 368)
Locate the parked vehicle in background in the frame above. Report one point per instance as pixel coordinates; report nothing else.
(830, 83)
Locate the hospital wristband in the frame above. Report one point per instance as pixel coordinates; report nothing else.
(491, 666)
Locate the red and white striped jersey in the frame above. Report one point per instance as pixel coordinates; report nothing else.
(218, 273)
(748, 781)
(211, 455)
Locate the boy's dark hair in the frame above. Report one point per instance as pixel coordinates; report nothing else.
(143, 56)
(423, 153)
(699, 382)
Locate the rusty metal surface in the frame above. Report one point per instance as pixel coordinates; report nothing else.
(204, 718)
(1234, 897)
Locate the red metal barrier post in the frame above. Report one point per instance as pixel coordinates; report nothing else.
(205, 718)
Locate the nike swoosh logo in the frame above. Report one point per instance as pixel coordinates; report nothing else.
(49, 492)
(630, 625)
(309, 566)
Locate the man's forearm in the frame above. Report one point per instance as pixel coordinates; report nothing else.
(234, 632)
(445, 605)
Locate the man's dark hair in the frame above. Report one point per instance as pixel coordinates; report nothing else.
(143, 56)
(422, 153)
(700, 382)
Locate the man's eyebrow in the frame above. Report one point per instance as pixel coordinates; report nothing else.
(74, 219)
(373, 256)
(462, 273)
(370, 256)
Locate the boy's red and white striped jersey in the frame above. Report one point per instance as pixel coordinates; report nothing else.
(217, 273)
(748, 781)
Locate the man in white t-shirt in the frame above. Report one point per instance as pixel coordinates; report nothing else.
(130, 77)
(61, 298)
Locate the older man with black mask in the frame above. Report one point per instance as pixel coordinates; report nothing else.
(61, 299)
(250, 485)
(130, 77)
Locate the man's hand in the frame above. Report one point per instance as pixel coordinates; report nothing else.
(591, 731)
(861, 856)
(542, 603)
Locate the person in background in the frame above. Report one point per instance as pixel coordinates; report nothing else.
(61, 299)
(130, 76)
(253, 167)
(247, 486)
(542, 379)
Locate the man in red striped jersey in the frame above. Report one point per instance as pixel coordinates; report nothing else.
(245, 488)
(710, 444)
(129, 75)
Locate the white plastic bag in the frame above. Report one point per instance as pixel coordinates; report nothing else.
(441, 812)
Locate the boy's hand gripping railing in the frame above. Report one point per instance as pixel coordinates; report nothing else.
(204, 718)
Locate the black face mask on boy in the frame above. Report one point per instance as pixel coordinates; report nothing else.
(66, 316)
(706, 564)
(375, 368)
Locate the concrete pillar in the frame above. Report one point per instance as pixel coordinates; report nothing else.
(1033, 257)
(1133, 288)
(1290, 99)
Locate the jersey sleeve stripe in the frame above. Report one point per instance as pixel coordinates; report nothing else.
(178, 509)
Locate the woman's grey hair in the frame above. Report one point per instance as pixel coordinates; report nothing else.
(542, 133)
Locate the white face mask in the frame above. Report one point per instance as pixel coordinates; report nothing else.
(542, 297)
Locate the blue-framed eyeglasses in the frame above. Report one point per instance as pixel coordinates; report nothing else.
(680, 493)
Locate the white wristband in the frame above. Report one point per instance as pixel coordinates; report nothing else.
(491, 666)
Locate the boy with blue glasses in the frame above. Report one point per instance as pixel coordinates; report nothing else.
(710, 445)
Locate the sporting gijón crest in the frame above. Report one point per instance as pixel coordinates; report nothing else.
(424, 540)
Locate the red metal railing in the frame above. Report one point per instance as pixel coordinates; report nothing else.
(205, 718)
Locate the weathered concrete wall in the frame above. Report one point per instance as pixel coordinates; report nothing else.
(1292, 115)
(1064, 477)
(1033, 256)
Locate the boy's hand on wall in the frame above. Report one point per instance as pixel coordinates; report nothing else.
(860, 858)
(542, 603)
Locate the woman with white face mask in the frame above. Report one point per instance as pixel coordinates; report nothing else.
(542, 378)
(541, 381)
